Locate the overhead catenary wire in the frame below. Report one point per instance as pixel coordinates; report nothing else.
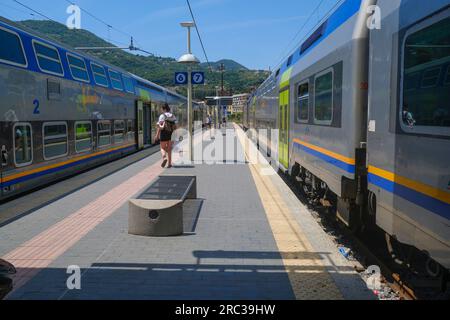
(111, 27)
(98, 19)
(288, 48)
(16, 9)
(198, 34)
(126, 46)
(50, 19)
(35, 11)
(284, 55)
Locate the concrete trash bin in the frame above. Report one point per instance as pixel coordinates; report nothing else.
(146, 219)
(158, 211)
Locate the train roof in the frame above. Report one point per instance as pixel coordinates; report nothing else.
(56, 43)
(325, 28)
(61, 45)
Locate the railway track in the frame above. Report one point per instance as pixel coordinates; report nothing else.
(369, 249)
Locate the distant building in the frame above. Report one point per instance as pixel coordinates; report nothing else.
(239, 101)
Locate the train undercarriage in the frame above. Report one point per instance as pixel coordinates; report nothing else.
(358, 216)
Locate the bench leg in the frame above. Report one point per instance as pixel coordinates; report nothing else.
(193, 192)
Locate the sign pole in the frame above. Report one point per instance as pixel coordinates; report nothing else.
(189, 59)
(190, 118)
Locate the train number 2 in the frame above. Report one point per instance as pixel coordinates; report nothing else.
(36, 107)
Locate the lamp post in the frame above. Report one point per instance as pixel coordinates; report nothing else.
(217, 108)
(222, 70)
(189, 60)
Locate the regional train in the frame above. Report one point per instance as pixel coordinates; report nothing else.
(63, 111)
(362, 110)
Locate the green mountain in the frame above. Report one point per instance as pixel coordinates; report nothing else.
(230, 65)
(237, 78)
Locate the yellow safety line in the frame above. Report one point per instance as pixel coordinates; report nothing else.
(308, 276)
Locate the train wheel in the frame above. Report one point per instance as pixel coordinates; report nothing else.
(433, 268)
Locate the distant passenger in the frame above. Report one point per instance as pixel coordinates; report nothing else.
(166, 125)
(209, 122)
(408, 117)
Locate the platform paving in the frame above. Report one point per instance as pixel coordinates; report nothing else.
(235, 246)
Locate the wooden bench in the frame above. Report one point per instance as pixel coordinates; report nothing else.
(158, 211)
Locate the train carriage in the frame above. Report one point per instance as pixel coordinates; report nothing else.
(409, 125)
(63, 111)
(363, 119)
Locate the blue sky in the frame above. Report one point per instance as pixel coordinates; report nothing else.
(256, 33)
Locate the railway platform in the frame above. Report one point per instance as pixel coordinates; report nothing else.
(247, 237)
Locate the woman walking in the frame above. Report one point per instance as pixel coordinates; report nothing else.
(166, 126)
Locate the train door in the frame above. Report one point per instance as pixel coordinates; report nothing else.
(4, 163)
(147, 123)
(253, 115)
(140, 124)
(154, 117)
(283, 120)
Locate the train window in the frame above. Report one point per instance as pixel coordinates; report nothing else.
(119, 131)
(48, 58)
(277, 73)
(23, 145)
(116, 80)
(83, 136)
(130, 128)
(99, 75)
(129, 86)
(323, 98)
(289, 62)
(11, 50)
(55, 140)
(431, 78)
(425, 109)
(412, 81)
(104, 133)
(303, 102)
(77, 68)
(447, 76)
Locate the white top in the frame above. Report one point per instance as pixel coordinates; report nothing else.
(166, 116)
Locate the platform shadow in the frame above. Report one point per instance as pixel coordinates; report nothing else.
(192, 209)
(300, 255)
(226, 275)
(182, 167)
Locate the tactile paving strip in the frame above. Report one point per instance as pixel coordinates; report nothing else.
(38, 253)
(308, 276)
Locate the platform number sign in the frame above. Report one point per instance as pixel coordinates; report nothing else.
(198, 78)
(181, 78)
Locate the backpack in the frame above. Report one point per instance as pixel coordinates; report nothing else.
(169, 126)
